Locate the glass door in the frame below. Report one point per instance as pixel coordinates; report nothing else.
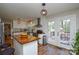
(65, 32)
(51, 29)
(62, 31)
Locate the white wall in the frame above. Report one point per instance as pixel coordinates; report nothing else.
(44, 23)
(0, 19)
(77, 22)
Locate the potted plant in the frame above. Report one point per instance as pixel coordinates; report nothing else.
(76, 44)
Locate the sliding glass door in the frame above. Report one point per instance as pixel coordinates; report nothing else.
(51, 29)
(62, 31)
(65, 31)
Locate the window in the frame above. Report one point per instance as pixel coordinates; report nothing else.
(51, 28)
(65, 30)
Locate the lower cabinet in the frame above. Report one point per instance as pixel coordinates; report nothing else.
(26, 49)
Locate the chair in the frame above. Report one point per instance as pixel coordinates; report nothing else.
(5, 49)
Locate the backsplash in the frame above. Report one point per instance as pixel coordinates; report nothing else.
(19, 30)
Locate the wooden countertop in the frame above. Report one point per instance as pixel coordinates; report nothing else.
(25, 39)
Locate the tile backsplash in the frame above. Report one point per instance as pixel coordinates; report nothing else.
(19, 30)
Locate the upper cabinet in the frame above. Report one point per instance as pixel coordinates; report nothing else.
(24, 24)
(19, 24)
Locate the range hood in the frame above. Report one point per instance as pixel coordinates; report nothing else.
(38, 23)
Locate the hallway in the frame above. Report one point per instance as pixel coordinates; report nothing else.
(52, 50)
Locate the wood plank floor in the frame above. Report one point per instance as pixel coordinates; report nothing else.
(52, 50)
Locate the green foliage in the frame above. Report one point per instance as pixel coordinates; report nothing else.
(76, 44)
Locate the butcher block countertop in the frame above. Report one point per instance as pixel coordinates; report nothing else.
(23, 39)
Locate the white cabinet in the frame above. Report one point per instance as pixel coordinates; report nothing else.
(30, 48)
(26, 49)
(19, 24)
(41, 38)
(18, 48)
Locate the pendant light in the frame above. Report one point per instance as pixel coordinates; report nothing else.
(43, 11)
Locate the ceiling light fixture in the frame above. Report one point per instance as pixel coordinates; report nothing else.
(43, 11)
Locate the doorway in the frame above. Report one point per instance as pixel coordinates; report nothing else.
(7, 34)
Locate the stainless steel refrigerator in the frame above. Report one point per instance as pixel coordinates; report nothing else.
(1, 33)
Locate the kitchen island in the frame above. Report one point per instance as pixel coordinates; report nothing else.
(25, 45)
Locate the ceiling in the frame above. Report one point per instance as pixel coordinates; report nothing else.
(25, 10)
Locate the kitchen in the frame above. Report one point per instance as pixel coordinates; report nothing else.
(23, 30)
(43, 34)
(25, 35)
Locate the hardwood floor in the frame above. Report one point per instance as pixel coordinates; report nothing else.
(51, 50)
